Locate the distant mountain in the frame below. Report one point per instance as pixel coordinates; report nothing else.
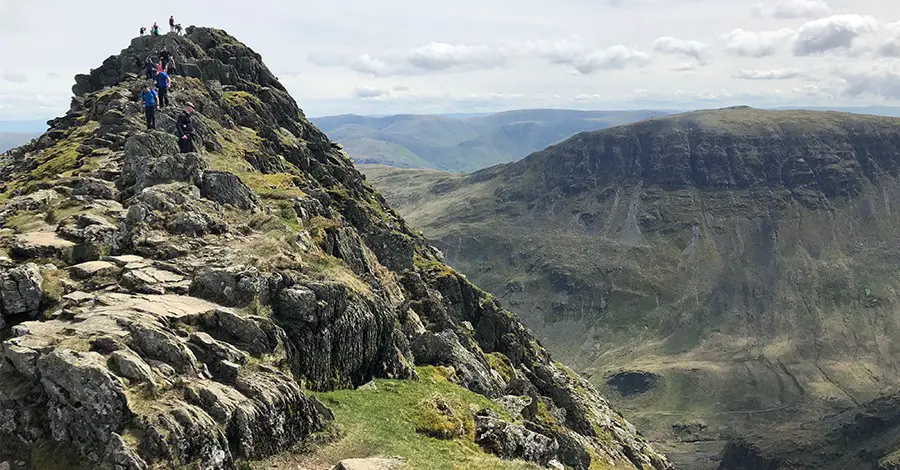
(461, 143)
(35, 126)
(714, 272)
(10, 140)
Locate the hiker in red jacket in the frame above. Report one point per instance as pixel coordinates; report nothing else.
(172, 24)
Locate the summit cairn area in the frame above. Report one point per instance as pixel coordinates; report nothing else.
(185, 310)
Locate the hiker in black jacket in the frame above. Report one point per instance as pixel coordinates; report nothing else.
(185, 129)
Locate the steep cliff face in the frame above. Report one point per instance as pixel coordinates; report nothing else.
(163, 309)
(713, 270)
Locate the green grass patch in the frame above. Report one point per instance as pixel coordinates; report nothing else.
(240, 98)
(500, 363)
(384, 422)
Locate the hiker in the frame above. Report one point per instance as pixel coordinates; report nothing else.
(170, 67)
(155, 29)
(160, 68)
(151, 103)
(172, 24)
(185, 129)
(164, 57)
(178, 29)
(143, 30)
(162, 84)
(150, 68)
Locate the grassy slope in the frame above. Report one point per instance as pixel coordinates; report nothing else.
(383, 422)
(741, 330)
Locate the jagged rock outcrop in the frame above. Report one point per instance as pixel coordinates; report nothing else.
(171, 309)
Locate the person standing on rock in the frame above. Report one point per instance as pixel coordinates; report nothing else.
(164, 57)
(150, 68)
(151, 103)
(185, 129)
(143, 30)
(162, 84)
(172, 24)
(155, 30)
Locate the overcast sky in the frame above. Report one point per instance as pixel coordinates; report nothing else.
(424, 56)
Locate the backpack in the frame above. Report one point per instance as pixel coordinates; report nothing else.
(147, 96)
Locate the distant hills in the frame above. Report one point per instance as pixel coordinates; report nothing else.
(462, 143)
(714, 272)
(9, 140)
(16, 133)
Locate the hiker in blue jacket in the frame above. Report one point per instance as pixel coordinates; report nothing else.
(162, 84)
(151, 103)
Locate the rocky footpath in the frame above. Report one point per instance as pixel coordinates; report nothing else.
(161, 310)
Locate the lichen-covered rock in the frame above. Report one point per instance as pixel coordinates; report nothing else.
(359, 342)
(94, 375)
(20, 290)
(225, 188)
(512, 441)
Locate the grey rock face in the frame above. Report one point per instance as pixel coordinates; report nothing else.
(232, 286)
(226, 188)
(513, 441)
(150, 170)
(444, 348)
(93, 398)
(20, 290)
(319, 328)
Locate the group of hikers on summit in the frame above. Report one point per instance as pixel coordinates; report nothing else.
(155, 96)
(154, 30)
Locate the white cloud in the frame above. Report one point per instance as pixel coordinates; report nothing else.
(755, 44)
(368, 92)
(437, 56)
(583, 58)
(13, 77)
(890, 46)
(881, 80)
(782, 74)
(691, 49)
(367, 64)
(789, 9)
(588, 97)
(832, 33)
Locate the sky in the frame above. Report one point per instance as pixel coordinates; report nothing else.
(461, 56)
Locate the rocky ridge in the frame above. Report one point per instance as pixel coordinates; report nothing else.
(160, 309)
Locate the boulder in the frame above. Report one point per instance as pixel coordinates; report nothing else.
(226, 188)
(20, 290)
(233, 286)
(95, 271)
(512, 441)
(150, 280)
(38, 245)
(129, 365)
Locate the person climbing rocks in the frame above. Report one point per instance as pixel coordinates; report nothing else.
(151, 103)
(185, 129)
(164, 57)
(172, 24)
(170, 67)
(155, 29)
(162, 84)
(143, 30)
(150, 68)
